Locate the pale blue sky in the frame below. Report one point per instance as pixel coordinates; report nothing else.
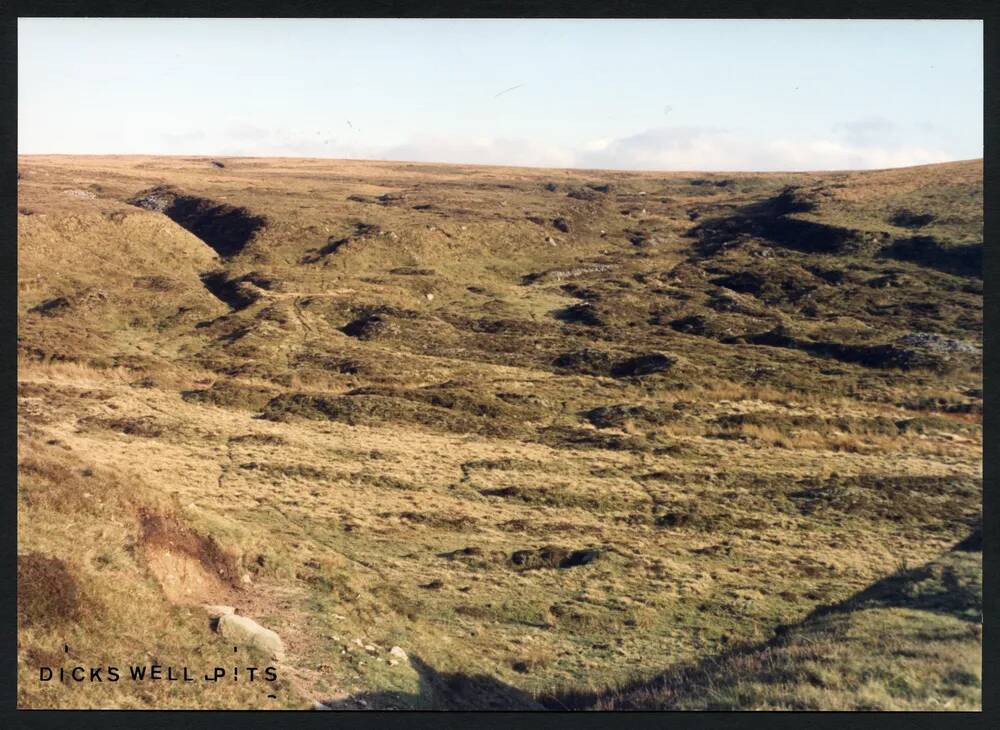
(648, 94)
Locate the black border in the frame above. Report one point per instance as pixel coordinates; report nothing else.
(883, 9)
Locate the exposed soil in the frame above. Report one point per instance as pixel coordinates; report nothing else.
(190, 568)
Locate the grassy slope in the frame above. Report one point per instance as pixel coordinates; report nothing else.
(376, 485)
(910, 642)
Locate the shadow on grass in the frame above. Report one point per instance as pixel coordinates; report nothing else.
(444, 691)
(932, 587)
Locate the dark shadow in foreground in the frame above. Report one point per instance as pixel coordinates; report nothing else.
(953, 595)
(444, 691)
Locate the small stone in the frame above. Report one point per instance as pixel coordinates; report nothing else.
(398, 653)
(393, 662)
(317, 705)
(243, 630)
(430, 297)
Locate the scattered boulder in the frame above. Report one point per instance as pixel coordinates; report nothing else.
(562, 224)
(243, 630)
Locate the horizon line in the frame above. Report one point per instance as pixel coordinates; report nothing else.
(498, 166)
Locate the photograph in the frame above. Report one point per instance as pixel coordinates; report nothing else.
(499, 364)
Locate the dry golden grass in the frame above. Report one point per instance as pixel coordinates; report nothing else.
(383, 448)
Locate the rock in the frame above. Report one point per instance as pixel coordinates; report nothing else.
(398, 653)
(562, 224)
(317, 705)
(430, 297)
(243, 630)
(215, 612)
(933, 341)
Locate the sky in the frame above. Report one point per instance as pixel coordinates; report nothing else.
(619, 94)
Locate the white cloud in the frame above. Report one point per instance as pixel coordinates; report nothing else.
(675, 148)
(710, 148)
(868, 143)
